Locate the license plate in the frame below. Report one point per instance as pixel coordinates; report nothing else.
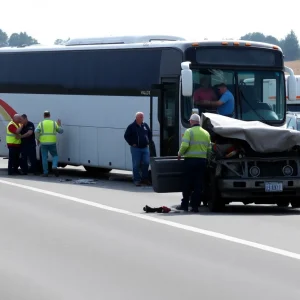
(273, 187)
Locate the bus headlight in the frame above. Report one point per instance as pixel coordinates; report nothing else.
(287, 170)
(254, 171)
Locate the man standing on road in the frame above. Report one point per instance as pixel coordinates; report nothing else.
(139, 136)
(28, 146)
(195, 146)
(13, 141)
(46, 136)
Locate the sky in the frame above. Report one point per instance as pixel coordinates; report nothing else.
(191, 19)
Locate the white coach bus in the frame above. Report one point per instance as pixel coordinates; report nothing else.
(95, 86)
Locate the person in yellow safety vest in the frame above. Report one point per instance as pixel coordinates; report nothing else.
(195, 147)
(45, 134)
(13, 141)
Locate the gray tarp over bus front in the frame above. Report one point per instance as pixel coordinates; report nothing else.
(261, 137)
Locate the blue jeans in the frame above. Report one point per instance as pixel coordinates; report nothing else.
(140, 159)
(53, 151)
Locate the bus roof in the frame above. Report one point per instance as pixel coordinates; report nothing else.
(130, 39)
(138, 42)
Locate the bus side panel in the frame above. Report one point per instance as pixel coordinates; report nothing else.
(88, 146)
(111, 148)
(3, 147)
(68, 145)
(83, 118)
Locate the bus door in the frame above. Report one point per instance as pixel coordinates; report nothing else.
(166, 169)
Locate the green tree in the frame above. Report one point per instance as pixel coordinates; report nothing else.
(61, 42)
(291, 47)
(21, 39)
(3, 38)
(254, 36)
(260, 37)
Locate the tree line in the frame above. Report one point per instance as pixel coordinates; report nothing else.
(16, 39)
(289, 44)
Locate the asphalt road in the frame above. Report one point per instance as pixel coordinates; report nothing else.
(61, 240)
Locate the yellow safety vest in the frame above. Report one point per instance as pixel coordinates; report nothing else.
(11, 137)
(195, 143)
(48, 132)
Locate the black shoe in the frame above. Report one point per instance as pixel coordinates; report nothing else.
(194, 210)
(179, 207)
(20, 172)
(56, 172)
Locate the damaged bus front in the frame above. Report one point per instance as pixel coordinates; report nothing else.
(255, 158)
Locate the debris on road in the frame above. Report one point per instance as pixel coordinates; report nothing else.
(80, 181)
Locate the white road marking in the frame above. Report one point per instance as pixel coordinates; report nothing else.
(161, 221)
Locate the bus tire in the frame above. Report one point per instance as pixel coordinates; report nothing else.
(295, 203)
(283, 203)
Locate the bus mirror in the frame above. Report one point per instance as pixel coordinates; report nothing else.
(292, 88)
(186, 79)
(291, 84)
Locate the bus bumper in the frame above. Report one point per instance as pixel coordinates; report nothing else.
(267, 189)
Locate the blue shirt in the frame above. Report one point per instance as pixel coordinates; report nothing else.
(228, 104)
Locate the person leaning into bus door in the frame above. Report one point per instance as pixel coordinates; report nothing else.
(204, 92)
(194, 147)
(28, 146)
(225, 105)
(139, 136)
(13, 141)
(46, 136)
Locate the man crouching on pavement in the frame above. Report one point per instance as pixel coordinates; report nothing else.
(194, 147)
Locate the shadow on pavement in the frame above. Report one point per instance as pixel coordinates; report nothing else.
(242, 210)
(123, 182)
(114, 181)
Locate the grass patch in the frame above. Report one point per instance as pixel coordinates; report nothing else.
(295, 65)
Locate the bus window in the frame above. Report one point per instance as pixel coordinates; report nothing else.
(261, 96)
(260, 93)
(205, 87)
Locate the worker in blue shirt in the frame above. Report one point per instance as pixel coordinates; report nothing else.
(225, 105)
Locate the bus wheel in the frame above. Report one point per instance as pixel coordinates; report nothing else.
(283, 203)
(295, 203)
(96, 171)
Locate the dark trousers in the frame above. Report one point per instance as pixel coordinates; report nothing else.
(28, 152)
(13, 159)
(194, 171)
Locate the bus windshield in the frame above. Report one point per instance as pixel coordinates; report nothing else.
(258, 95)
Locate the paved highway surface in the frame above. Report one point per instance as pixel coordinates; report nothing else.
(61, 240)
